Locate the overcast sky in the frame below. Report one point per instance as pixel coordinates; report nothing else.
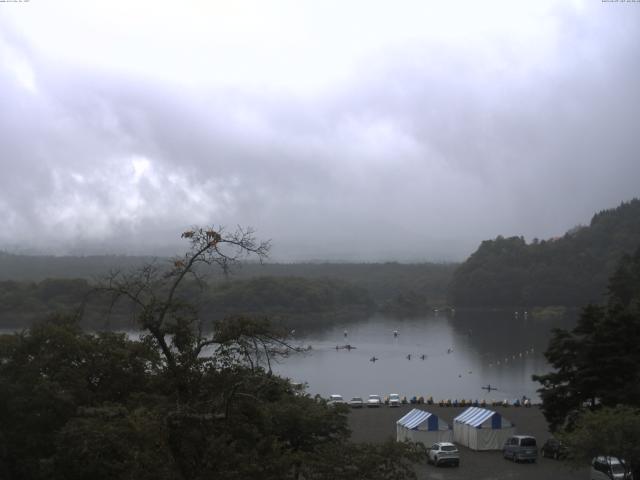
(346, 130)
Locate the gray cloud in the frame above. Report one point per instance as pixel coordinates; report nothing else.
(425, 150)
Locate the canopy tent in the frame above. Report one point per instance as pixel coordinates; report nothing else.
(421, 426)
(481, 429)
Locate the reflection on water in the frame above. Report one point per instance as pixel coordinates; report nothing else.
(461, 354)
(484, 348)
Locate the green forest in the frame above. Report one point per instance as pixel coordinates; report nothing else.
(177, 402)
(591, 398)
(292, 295)
(568, 271)
(571, 270)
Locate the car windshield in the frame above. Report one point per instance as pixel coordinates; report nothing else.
(356, 399)
(448, 448)
(394, 396)
(528, 442)
(374, 397)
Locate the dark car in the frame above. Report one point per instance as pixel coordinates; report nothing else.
(553, 448)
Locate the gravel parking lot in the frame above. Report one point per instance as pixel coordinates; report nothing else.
(378, 424)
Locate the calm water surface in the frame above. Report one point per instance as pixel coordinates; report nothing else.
(485, 348)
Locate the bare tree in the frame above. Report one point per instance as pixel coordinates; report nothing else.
(173, 323)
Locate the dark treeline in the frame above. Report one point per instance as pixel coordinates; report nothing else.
(316, 294)
(40, 267)
(288, 300)
(285, 295)
(591, 397)
(385, 282)
(570, 271)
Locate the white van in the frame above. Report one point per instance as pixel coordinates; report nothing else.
(609, 468)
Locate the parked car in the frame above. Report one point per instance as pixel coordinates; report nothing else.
(335, 399)
(609, 468)
(374, 401)
(356, 402)
(553, 448)
(444, 453)
(520, 448)
(394, 400)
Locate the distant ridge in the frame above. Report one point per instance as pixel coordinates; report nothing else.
(571, 270)
(38, 267)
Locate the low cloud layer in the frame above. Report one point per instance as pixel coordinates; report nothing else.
(410, 150)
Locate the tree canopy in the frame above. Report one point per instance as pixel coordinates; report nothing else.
(178, 402)
(598, 362)
(607, 431)
(592, 398)
(571, 270)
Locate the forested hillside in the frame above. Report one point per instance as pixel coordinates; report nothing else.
(296, 295)
(571, 270)
(290, 300)
(386, 282)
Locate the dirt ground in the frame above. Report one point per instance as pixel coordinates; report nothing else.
(378, 424)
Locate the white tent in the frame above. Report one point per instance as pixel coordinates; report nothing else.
(481, 429)
(421, 426)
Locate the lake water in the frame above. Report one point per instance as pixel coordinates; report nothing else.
(484, 348)
(462, 353)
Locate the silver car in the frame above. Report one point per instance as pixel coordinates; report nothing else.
(374, 401)
(609, 468)
(520, 448)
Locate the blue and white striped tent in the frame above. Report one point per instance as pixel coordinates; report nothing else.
(421, 426)
(481, 429)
